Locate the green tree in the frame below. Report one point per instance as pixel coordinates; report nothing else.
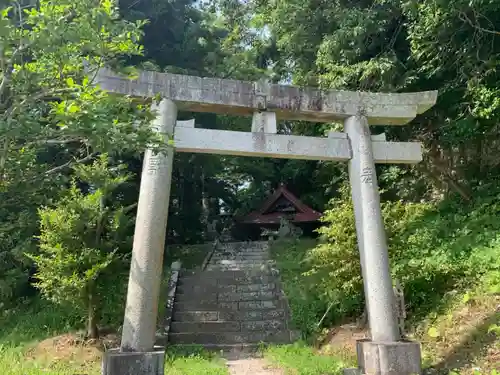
(52, 116)
(392, 45)
(80, 238)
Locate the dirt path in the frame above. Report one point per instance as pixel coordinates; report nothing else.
(252, 366)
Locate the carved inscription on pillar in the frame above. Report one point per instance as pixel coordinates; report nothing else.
(366, 166)
(367, 175)
(156, 163)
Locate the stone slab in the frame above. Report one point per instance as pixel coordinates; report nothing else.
(264, 122)
(218, 274)
(249, 256)
(252, 315)
(226, 351)
(227, 96)
(237, 268)
(228, 315)
(389, 358)
(115, 362)
(209, 327)
(222, 288)
(199, 305)
(240, 262)
(228, 326)
(194, 305)
(202, 296)
(226, 281)
(192, 281)
(225, 142)
(172, 291)
(263, 305)
(256, 287)
(196, 316)
(277, 337)
(259, 259)
(206, 297)
(248, 296)
(351, 371)
(209, 289)
(263, 325)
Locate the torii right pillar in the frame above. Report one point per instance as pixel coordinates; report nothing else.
(385, 353)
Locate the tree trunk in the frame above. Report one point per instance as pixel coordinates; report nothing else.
(92, 330)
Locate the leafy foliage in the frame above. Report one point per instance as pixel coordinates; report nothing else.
(80, 238)
(435, 250)
(52, 116)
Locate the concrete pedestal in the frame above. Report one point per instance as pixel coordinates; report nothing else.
(115, 362)
(388, 358)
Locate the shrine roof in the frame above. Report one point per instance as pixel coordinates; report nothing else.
(268, 213)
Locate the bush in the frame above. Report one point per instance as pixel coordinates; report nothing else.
(81, 240)
(434, 249)
(300, 288)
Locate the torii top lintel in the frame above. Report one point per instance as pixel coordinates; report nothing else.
(217, 95)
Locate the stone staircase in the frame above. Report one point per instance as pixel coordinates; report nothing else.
(233, 305)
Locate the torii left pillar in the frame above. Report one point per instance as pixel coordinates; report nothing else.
(137, 354)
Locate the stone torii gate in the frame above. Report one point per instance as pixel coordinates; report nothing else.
(385, 353)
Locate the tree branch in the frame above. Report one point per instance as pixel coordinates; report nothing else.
(70, 163)
(49, 142)
(465, 18)
(129, 208)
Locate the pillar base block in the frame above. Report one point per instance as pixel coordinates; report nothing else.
(388, 358)
(352, 371)
(115, 362)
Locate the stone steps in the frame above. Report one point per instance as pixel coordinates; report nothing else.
(235, 304)
(229, 296)
(228, 326)
(228, 351)
(200, 305)
(204, 338)
(227, 260)
(250, 255)
(221, 274)
(225, 316)
(238, 277)
(256, 267)
(208, 289)
(244, 262)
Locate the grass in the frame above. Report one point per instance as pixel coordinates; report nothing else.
(459, 333)
(72, 360)
(461, 336)
(300, 359)
(13, 363)
(195, 364)
(463, 339)
(39, 338)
